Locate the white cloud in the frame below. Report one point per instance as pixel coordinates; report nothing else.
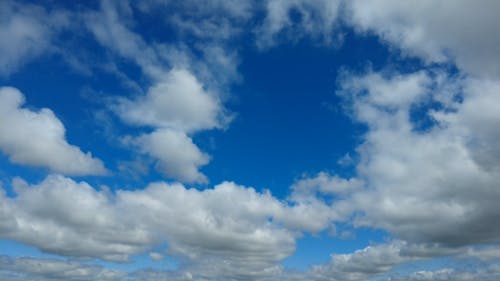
(26, 32)
(228, 230)
(178, 157)
(37, 139)
(178, 102)
(326, 184)
(377, 262)
(391, 92)
(362, 264)
(432, 185)
(478, 118)
(463, 31)
(177, 105)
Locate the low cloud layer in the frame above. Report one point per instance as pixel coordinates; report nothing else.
(27, 32)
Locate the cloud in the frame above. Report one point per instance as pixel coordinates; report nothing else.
(397, 260)
(488, 273)
(175, 106)
(434, 184)
(178, 102)
(27, 31)
(228, 230)
(460, 31)
(292, 20)
(216, 21)
(325, 184)
(361, 264)
(37, 139)
(178, 157)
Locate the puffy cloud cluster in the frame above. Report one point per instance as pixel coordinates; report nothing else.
(489, 273)
(364, 263)
(433, 184)
(178, 102)
(325, 184)
(375, 262)
(177, 155)
(228, 230)
(38, 138)
(176, 105)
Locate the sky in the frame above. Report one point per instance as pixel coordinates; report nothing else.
(249, 140)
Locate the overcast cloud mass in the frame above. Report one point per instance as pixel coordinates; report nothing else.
(250, 140)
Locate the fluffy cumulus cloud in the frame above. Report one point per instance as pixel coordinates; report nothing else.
(463, 32)
(177, 155)
(432, 183)
(37, 138)
(175, 107)
(429, 156)
(326, 184)
(363, 263)
(229, 230)
(375, 262)
(178, 102)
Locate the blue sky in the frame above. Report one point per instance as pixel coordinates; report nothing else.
(249, 140)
